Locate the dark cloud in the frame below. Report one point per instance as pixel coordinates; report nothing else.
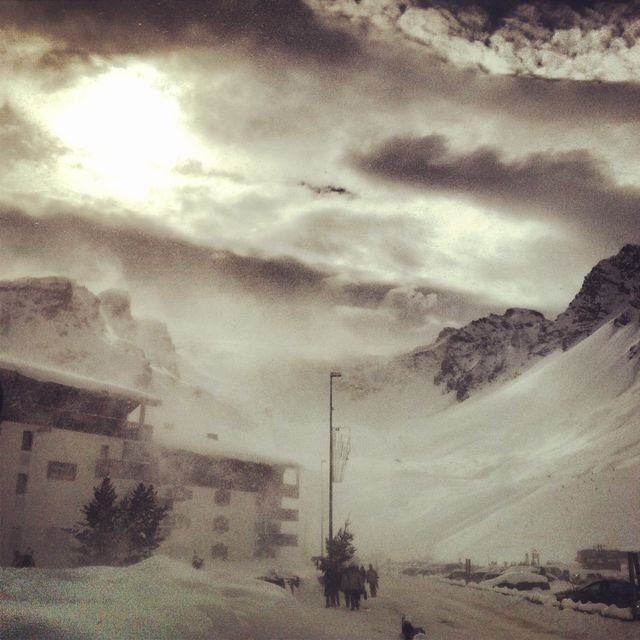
(545, 101)
(72, 245)
(129, 26)
(328, 189)
(554, 14)
(146, 254)
(571, 186)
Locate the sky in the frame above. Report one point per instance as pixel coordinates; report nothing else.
(293, 185)
(291, 180)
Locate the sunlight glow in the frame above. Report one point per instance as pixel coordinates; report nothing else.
(124, 131)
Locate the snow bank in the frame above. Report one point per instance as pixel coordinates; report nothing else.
(546, 598)
(159, 598)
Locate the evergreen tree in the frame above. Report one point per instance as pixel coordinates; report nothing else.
(119, 533)
(141, 516)
(100, 532)
(341, 548)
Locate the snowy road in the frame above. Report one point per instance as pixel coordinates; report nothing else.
(449, 612)
(163, 599)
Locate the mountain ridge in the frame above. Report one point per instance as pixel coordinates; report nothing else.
(500, 347)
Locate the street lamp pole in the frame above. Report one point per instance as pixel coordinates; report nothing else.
(332, 375)
(322, 463)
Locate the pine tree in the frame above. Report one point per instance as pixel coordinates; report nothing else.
(100, 532)
(341, 548)
(141, 516)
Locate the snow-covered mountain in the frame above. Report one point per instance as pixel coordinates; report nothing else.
(55, 322)
(500, 347)
(612, 287)
(549, 460)
(543, 453)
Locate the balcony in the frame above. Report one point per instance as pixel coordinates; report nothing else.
(286, 515)
(289, 491)
(123, 469)
(277, 539)
(137, 431)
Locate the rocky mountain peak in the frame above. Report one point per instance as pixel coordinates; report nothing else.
(56, 322)
(611, 286)
(485, 350)
(499, 347)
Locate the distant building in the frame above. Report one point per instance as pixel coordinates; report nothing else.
(601, 558)
(61, 434)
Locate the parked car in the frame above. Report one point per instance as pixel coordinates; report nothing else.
(605, 591)
(477, 576)
(521, 580)
(457, 575)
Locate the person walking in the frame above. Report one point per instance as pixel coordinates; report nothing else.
(345, 586)
(363, 579)
(331, 584)
(372, 579)
(356, 585)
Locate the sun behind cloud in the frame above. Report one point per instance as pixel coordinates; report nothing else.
(124, 130)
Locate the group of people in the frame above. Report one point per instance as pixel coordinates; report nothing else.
(351, 580)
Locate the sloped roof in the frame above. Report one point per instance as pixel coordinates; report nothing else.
(57, 376)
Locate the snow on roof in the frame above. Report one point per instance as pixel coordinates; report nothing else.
(200, 444)
(57, 376)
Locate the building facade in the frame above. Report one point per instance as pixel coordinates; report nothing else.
(60, 435)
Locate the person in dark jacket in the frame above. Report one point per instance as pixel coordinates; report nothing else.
(353, 584)
(344, 586)
(363, 579)
(331, 584)
(372, 579)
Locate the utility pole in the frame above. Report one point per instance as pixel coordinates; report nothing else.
(332, 375)
(322, 463)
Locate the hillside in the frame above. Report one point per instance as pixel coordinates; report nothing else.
(496, 348)
(549, 460)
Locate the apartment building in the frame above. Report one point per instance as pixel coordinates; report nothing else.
(61, 434)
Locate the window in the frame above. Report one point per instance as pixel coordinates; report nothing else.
(27, 440)
(61, 470)
(21, 484)
(104, 451)
(223, 496)
(221, 524)
(264, 527)
(220, 551)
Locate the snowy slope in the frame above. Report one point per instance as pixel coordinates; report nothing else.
(550, 460)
